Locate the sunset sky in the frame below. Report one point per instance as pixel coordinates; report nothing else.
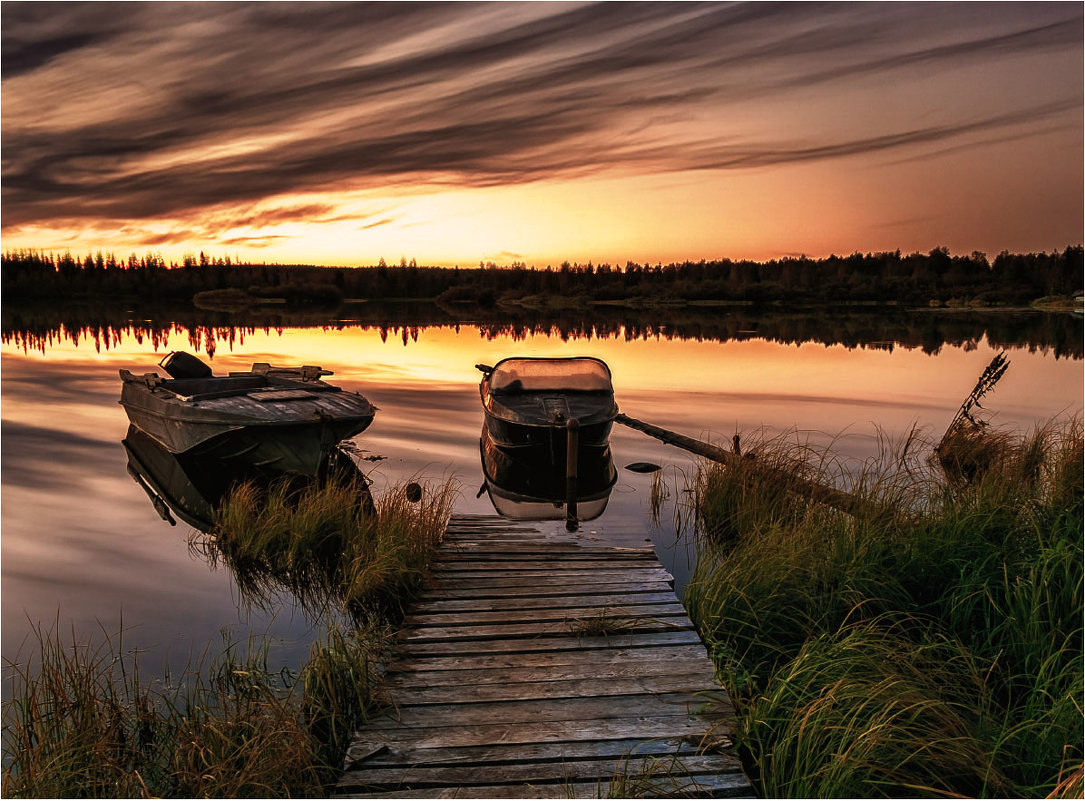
(454, 132)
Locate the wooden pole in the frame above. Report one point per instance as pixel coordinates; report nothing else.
(830, 496)
(572, 446)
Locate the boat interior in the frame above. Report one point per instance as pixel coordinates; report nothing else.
(234, 385)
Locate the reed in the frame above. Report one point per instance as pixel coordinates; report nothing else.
(931, 647)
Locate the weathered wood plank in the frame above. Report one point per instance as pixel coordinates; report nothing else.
(707, 786)
(661, 654)
(544, 603)
(534, 711)
(570, 688)
(486, 591)
(571, 789)
(405, 755)
(561, 628)
(644, 728)
(474, 678)
(471, 616)
(421, 649)
(485, 544)
(418, 777)
(560, 578)
(578, 573)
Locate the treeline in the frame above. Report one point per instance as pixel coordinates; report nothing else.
(916, 278)
(40, 327)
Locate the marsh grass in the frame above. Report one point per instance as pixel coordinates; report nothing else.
(931, 647)
(325, 544)
(82, 721)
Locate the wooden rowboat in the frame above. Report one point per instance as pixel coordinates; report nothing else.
(285, 418)
(529, 402)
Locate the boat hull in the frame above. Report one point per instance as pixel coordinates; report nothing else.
(546, 444)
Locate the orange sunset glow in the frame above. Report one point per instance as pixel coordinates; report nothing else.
(539, 132)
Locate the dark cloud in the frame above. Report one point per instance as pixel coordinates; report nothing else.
(377, 224)
(248, 101)
(174, 237)
(33, 34)
(309, 212)
(711, 157)
(264, 241)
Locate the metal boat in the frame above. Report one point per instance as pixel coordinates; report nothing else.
(284, 418)
(529, 402)
(522, 488)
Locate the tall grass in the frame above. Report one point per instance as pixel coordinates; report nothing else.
(325, 544)
(82, 721)
(931, 645)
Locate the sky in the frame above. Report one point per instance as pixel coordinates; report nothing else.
(454, 133)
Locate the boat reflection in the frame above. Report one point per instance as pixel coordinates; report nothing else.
(191, 487)
(522, 486)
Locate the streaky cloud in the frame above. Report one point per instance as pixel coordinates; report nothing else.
(248, 102)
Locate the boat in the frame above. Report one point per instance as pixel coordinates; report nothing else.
(521, 488)
(191, 487)
(529, 402)
(286, 418)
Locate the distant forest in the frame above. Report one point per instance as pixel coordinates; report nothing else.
(934, 278)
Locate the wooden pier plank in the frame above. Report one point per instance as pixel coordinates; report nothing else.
(475, 678)
(553, 688)
(408, 755)
(472, 616)
(498, 690)
(594, 601)
(662, 654)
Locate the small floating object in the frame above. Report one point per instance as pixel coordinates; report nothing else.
(643, 467)
(413, 491)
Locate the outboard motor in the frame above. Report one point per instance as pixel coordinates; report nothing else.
(184, 365)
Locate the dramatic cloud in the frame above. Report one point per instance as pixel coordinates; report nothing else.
(227, 117)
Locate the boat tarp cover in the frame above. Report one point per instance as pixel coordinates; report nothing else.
(540, 375)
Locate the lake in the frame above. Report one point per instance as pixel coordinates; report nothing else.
(83, 548)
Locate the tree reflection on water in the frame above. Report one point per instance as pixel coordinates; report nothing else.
(40, 328)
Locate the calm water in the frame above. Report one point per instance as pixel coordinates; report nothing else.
(83, 547)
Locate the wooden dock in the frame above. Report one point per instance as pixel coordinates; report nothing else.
(542, 664)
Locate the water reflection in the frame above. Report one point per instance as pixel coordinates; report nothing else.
(83, 544)
(192, 486)
(523, 486)
(882, 328)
